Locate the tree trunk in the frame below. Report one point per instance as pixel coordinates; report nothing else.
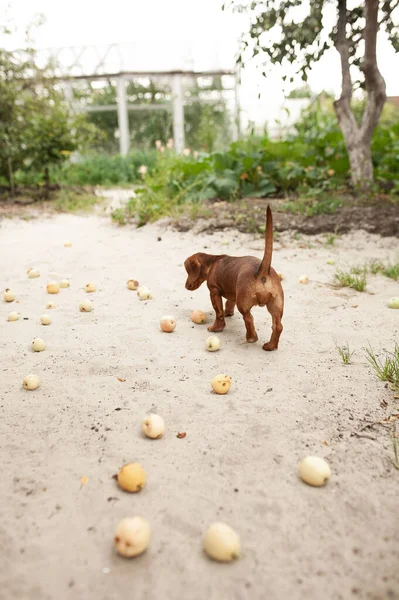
(358, 138)
(46, 183)
(361, 165)
(11, 177)
(359, 149)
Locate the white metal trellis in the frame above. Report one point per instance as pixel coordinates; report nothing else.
(119, 62)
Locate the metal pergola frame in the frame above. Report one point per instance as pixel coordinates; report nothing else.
(176, 106)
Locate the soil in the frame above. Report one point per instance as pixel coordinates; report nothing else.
(249, 216)
(103, 371)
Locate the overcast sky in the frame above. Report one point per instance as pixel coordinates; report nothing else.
(164, 31)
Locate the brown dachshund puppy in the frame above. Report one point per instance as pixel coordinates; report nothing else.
(244, 281)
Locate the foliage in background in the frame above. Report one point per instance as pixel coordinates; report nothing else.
(280, 34)
(36, 129)
(309, 169)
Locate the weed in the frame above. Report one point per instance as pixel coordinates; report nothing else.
(387, 370)
(389, 270)
(331, 239)
(355, 278)
(69, 201)
(345, 353)
(376, 266)
(198, 211)
(118, 216)
(311, 207)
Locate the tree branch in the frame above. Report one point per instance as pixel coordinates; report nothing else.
(375, 84)
(389, 11)
(343, 49)
(342, 105)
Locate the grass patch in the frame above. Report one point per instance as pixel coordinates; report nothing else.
(345, 353)
(118, 216)
(388, 369)
(69, 201)
(390, 270)
(312, 207)
(330, 240)
(355, 278)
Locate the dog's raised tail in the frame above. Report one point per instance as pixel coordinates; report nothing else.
(264, 268)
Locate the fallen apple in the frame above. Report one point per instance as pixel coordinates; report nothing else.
(45, 320)
(85, 306)
(132, 477)
(153, 426)
(53, 287)
(212, 343)
(67, 244)
(90, 287)
(64, 283)
(221, 384)
(393, 302)
(198, 317)
(222, 543)
(132, 537)
(51, 305)
(144, 293)
(168, 323)
(33, 273)
(132, 284)
(38, 345)
(314, 471)
(31, 382)
(13, 316)
(9, 296)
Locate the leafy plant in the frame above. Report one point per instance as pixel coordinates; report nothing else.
(36, 129)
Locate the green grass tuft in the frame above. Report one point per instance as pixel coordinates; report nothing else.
(345, 353)
(355, 278)
(388, 370)
(118, 216)
(390, 270)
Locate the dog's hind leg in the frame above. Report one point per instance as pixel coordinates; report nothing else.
(276, 310)
(217, 304)
(229, 308)
(252, 336)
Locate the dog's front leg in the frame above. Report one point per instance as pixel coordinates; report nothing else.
(217, 304)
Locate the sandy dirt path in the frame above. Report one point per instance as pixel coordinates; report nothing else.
(238, 462)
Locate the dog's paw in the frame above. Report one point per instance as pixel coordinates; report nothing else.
(269, 347)
(216, 327)
(252, 340)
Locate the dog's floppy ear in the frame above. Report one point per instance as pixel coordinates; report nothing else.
(193, 266)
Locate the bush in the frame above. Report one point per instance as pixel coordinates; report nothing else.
(101, 169)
